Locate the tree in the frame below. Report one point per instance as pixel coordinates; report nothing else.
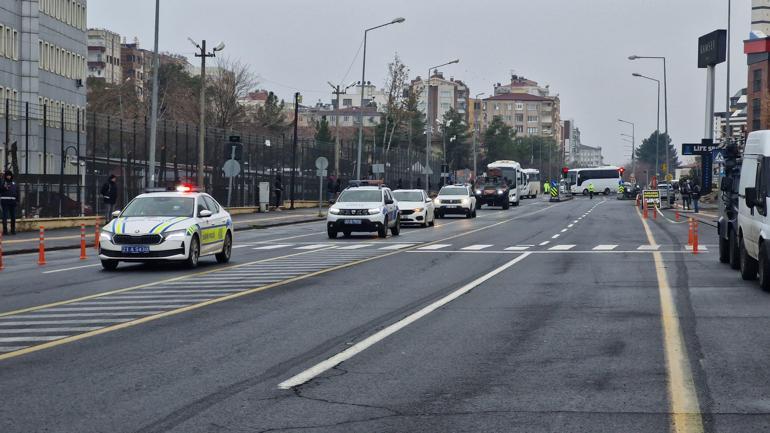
(536, 151)
(455, 133)
(646, 152)
(232, 82)
(395, 103)
(498, 139)
(322, 133)
(270, 118)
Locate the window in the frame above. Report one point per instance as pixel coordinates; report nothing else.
(757, 80)
(497, 107)
(519, 117)
(510, 107)
(211, 204)
(532, 131)
(532, 107)
(15, 43)
(519, 106)
(756, 105)
(2, 40)
(532, 119)
(520, 129)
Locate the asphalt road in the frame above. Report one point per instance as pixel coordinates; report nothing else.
(550, 317)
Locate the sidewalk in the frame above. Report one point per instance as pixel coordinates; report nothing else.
(69, 238)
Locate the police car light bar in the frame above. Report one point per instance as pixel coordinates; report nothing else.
(174, 188)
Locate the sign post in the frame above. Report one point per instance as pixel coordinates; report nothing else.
(321, 163)
(231, 169)
(705, 150)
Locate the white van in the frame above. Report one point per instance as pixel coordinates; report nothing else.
(753, 222)
(533, 182)
(516, 178)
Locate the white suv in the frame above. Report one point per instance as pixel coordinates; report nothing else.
(456, 199)
(364, 209)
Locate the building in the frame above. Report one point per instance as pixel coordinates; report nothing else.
(444, 95)
(104, 56)
(255, 100)
(520, 84)
(737, 114)
(43, 59)
(309, 116)
(571, 144)
(529, 115)
(589, 156)
(760, 16)
(132, 61)
(372, 97)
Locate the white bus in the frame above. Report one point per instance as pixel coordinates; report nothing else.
(533, 182)
(517, 180)
(605, 180)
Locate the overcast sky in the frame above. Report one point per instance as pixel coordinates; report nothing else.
(578, 47)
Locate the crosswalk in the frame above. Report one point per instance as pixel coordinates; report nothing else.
(552, 245)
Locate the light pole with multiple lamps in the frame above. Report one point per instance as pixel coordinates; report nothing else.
(429, 120)
(633, 141)
(363, 87)
(657, 128)
(665, 100)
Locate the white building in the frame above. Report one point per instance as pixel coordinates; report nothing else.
(589, 156)
(352, 99)
(760, 16)
(444, 95)
(738, 113)
(104, 56)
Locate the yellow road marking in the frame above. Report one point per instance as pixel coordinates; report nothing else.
(246, 292)
(685, 409)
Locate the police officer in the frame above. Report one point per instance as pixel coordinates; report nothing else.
(591, 190)
(547, 188)
(110, 196)
(9, 195)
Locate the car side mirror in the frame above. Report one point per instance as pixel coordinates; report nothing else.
(205, 213)
(751, 197)
(388, 201)
(428, 200)
(116, 214)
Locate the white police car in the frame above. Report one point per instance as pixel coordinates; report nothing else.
(179, 225)
(364, 209)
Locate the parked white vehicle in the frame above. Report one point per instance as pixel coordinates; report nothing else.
(516, 179)
(753, 221)
(415, 207)
(533, 182)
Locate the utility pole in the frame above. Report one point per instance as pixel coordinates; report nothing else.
(297, 100)
(202, 126)
(154, 110)
(337, 146)
(476, 132)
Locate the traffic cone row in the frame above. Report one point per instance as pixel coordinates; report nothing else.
(41, 244)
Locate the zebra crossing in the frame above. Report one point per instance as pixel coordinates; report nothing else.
(30, 328)
(545, 246)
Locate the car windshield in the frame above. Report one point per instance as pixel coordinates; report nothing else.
(408, 195)
(360, 195)
(160, 206)
(449, 190)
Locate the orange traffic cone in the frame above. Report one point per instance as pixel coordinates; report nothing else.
(82, 242)
(41, 252)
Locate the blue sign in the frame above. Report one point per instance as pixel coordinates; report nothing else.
(697, 148)
(718, 156)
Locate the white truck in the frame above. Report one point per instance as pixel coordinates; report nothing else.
(753, 221)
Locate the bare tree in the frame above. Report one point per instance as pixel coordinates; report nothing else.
(231, 82)
(395, 105)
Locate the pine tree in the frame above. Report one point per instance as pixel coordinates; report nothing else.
(322, 133)
(645, 154)
(498, 139)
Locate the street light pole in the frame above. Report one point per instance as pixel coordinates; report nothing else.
(150, 180)
(633, 141)
(202, 125)
(665, 96)
(429, 120)
(363, 87)
(657, 128)
(475, 132)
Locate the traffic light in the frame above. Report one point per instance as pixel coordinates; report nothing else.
(621, 170)
(564, 171)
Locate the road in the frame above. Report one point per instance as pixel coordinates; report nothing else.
(550, 317)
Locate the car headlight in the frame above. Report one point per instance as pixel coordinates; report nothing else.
(105, 236)
(334, 211)
(465, 201)
(478, 192)
(436, 201)
(374, 211)
(175, 233)
(499, 191)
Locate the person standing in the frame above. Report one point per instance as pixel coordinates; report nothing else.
(9, 196)
(591, 190)
(547, 188)
(110, 197)
(695, 197)
(686, 193)
(337, 188)
(278, 188)
(399, 184)
(330, 189)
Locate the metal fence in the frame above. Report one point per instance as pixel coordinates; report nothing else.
(71, 185)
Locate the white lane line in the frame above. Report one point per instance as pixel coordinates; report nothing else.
(517, 248)
(11, 348)
(569, 226)
(700, 248)
(71, 269)
(563, 230)
(160, 297)
(63, 322)
(138, 307)
(544, 243)
(555, 236)
(435, 247)
(235, 247)
(30, 338)
(272, 247)
(648, 247)
(355, 247)
(129, 302)
(575, 222)
(604, 247)
(48, 330)
(207, 291)
(564, 247)
(73, 315)
(397, 246)
(313, 247)
(476, 247)
(359, 347)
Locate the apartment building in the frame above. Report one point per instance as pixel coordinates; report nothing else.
(43, 55)
(589, 156)
(737, 114)
(132, 62)
(760, 16)
(529, 115)
(104, 56)
(444, 95)
(571, 145)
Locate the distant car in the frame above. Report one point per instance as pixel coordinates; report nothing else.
(45, 204)
(666, 193)
(415, 207)
(455, 199)
(493, 191)
(175, 226)
(364, 209)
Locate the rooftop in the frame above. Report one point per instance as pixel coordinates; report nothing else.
(517, 97)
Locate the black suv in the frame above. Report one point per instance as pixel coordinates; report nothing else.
(493, 191)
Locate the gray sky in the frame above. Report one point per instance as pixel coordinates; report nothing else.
(579, 47)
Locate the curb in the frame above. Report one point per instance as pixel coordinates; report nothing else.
(91, 245)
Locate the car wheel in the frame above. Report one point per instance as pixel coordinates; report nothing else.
(469, 214)
(195, 253)
(764, 268)
(724, 250)
(396, 229)
(227, 249)
(478, 205)
(110, 265)
(382, 232)
(585, 192)
(432, 222)
(735, 262)
(332, 233)
(506, 205)
(606, 191)
(748, 264)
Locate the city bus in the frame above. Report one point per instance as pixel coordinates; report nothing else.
(517, 180)
(533, 182)
(605, 179)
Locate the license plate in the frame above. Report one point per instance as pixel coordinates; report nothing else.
(131, 249)
(352, 221)
(450, 205)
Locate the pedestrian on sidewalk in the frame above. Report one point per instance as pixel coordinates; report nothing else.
(337, 188)
(686, 192)
(9, 196)
(399, 184)
(110, 197)
(278, 188)
(695, 197)
(330, 189)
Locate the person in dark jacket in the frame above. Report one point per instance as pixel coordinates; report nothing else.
(330, 189)
(110, 197)
(9, 196)
(695, 198)
(337, 188)
(278, 188)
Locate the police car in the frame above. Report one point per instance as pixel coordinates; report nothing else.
(179, 225)
(365, 206)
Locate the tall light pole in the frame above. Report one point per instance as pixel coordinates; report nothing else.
(633, 141)
(429, 120)
(150, 177)
(657, 128)
(475, 132)
(665, 97)
(202, 126)
(363, 86)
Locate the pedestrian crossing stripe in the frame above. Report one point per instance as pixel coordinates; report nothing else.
(565, 247)
(604, 247)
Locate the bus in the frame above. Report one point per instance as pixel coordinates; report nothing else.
(517, 180)
(605, 179)
(533, 182)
